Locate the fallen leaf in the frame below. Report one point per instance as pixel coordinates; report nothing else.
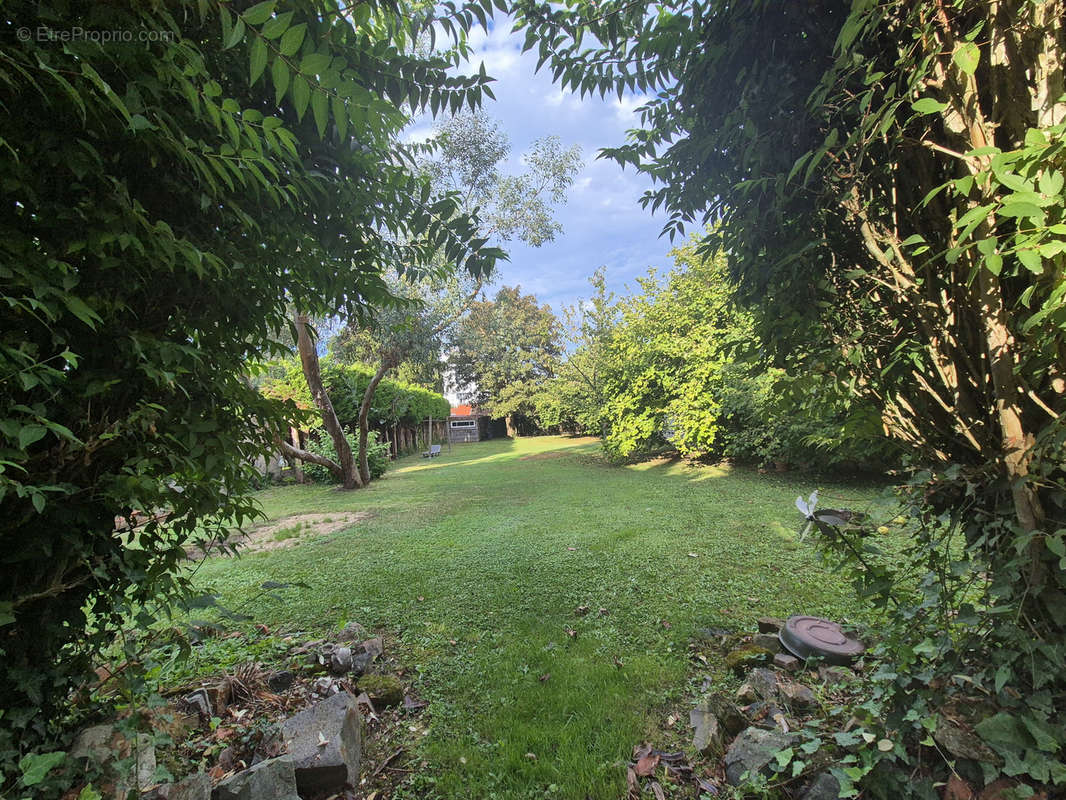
(582, 610)
(706, 786)
(666, 624)
(413, 704)
(603, 612)
(671, 721)
(263, 629)
(693, 555)
(322, 740)
(544, 677)
(648, 764)
(957, 789)
(657, 790)
(571, 548)
(452, 642)
(641, 751)
(531, 756)
(571, 633)
(633, 783)
(618, 662)
(420, 598)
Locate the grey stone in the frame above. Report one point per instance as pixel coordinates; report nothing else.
(94, 743)
(824, 787)
(375, 647)
(730, 719)
(325, 743)
(200, 702)
(960, 742)
(280, 681)
(771, 625)
(326, 686)
(767, 641)
(764, 682)
(352, 632)
(835, 675)
(787, 663)
(797, 695)
(752, 752)
(708, 737)
(361, 663)
(103, 744)
(274, 779)
(340, 660)
(194, 787)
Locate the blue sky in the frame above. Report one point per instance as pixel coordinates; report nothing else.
(603, 223)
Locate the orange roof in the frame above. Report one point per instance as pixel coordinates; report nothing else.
(462, 411)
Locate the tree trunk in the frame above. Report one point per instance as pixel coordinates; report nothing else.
(312, 458)
(511, 430)
(364, 412)
(1016, 442)
(297, 472)
(350, 478)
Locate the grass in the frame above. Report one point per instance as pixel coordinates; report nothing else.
(475, 562)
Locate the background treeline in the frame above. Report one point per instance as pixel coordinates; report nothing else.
(676, 367)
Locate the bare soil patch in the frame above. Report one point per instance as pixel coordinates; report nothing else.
(297, 529)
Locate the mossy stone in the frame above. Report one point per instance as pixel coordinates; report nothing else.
(743, 657)
(383, 690)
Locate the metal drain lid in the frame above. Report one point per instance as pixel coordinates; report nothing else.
(808, 637)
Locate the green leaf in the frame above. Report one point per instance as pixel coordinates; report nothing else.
(1051, 182)
(1003, 731)
(301, 95)
(1031, 260)
(966, 57)
(36, 766)
(927, 105)
(257, 59)
(7, 613)
(236, 35)
(279, 76)
(29, 434)
(314, 63)
(293, 38)
(260, 12)
(994, 263)
(1020, 209)
(276, 26)
(78, 308)
(361, 15)
(320, 108)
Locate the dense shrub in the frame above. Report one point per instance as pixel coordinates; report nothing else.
(394, 401)
(957, 638)
(377, 454)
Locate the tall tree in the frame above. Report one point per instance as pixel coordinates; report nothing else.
(503, 351)
(888, 179)
(468, 150)
(577, 396)
(166, 200)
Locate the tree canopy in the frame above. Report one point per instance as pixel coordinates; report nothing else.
(166, 199)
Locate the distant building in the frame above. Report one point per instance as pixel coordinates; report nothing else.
(468, 424)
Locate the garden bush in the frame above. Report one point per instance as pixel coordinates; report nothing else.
(377, 455)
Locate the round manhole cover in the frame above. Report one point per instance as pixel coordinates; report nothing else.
(814, 636)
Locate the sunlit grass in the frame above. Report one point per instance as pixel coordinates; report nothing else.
(492, 546)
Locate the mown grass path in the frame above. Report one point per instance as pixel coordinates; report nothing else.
(493, 545)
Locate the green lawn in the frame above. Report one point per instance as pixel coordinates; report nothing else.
(493, 546)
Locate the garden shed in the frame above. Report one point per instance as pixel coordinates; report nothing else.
(468, 424)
